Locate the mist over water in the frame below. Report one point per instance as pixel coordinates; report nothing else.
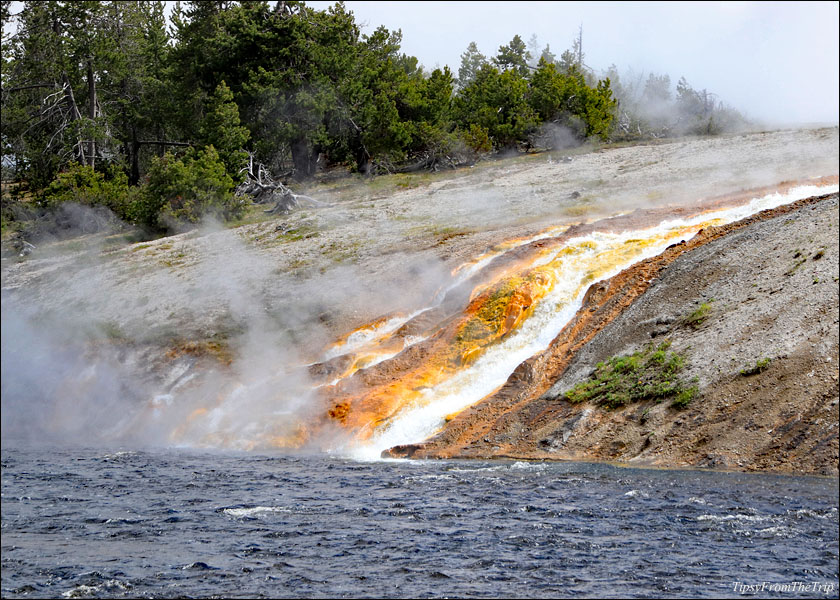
(55, 388)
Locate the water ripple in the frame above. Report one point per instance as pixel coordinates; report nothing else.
(79, 524)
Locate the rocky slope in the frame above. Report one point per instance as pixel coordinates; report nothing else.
(769, 286)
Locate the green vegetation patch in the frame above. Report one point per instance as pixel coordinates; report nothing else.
(760, 365)
(301, 232)
(697, 317)
(112, 331)
(650, 374)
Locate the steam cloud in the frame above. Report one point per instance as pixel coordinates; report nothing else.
(82, 358)
(85, 330)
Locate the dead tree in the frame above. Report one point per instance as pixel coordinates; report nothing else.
(261, 187)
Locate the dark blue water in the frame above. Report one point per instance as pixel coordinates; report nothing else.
(186, 524)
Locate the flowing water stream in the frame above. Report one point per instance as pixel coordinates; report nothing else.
(398, 379)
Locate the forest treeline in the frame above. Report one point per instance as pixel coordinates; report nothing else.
(108, 103)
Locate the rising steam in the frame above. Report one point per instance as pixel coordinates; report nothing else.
(207, 339)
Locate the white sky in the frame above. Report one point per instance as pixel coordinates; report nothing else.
(776, 61)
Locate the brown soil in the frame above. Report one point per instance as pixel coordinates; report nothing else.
(771, 281)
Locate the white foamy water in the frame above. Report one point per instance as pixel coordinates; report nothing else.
(368, 335)
(574, 274)
(243, 513)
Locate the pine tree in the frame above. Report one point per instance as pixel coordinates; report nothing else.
(514, 55)
(471, 62)
(221, 129)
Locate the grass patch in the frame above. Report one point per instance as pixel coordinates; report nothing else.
(343, 251)
(112, 331)
(760, 365)
(699, 316)
(407, 182)
(579, 210)
(650, 374)
(285, 233)
(299, 233)
(175, 259)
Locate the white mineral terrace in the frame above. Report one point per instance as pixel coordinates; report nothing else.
(574, 266)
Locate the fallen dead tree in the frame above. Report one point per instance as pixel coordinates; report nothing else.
(261, 188)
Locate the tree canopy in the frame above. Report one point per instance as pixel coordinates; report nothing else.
(108, 86)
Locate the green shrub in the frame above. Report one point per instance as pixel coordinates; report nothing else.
(84, 185)
(699, 316)
(684, 397)
(760, 366)
(477, 139)
(184, 190)
(650, 374)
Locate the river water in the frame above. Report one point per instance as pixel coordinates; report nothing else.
(182, 523)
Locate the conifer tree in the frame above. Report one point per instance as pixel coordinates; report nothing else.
(514, 55)
(471, 62)
(222, 130)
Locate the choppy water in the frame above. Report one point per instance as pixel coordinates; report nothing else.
(93, 523)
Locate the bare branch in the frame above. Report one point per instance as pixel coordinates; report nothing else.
(262, 189)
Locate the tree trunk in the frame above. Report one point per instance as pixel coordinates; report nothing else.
(91, 110)
(362, 160)
(304, 159)
(75, 115)
(134, 179)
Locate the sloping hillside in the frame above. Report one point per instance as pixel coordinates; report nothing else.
(753, 311)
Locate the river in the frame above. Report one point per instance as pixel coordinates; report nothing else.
(162, 523)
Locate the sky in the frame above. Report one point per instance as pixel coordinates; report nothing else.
(776, 61)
